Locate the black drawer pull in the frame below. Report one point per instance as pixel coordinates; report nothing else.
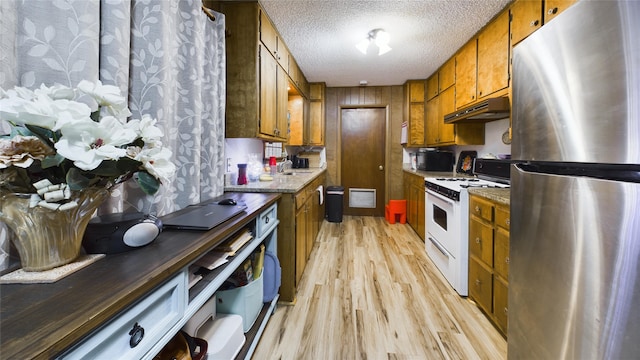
(137, 333)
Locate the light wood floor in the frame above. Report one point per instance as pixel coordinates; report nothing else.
(370, 292)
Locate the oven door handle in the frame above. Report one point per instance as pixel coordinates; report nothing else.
(439, 247)
(445, 199)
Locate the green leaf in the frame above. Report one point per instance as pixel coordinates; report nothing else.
(52, 161)
(148, 183)
(76, 180)
(43, 134)
(95, 116)
(126, 164)
(107, 168)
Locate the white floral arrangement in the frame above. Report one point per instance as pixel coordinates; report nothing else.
(65, 139)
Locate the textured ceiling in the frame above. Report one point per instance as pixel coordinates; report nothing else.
(321, 35)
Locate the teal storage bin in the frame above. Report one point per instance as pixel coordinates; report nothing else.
(245, 301)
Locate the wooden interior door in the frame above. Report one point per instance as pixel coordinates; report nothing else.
(362, 160)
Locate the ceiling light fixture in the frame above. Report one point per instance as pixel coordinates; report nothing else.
(377, 36)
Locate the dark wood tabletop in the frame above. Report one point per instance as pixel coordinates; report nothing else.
(42, 320)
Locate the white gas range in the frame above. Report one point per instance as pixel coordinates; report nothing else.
(447, 218)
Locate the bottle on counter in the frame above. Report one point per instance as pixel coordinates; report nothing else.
(242, 174)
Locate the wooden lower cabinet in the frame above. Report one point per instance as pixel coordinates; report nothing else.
(301, 215)
(413, 186)
(489, 258)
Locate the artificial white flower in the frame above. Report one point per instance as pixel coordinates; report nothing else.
(43, 111)
(56, 92)
(157, 161)
(107, 97)
(88, 143)
(146, 129)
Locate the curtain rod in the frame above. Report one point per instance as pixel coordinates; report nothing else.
(209, 13)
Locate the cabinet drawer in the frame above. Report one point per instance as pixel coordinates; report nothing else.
(500, 303)
(266, 220)
(480, 285)
(301, 198)
(481, 208)
(502, 218)
(481, 241)
(155, 314)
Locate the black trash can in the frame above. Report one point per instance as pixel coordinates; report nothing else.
(334, 203)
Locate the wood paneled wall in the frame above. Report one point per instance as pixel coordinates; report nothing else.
(390, 97)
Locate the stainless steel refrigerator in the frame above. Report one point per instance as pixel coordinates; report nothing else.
(574, 284)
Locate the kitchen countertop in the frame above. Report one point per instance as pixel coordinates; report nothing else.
(281, 183)
(499, 195)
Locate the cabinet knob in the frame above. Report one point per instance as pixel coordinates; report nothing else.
(137, 333)
(508, 222)
(477, 209)
(506, 260)
(534, 23)
(266, 220)
(380, 167)
(506, 311)
(478, 282)
(477, 240)
(553, 11)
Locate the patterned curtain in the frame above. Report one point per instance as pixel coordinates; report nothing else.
(167, 55)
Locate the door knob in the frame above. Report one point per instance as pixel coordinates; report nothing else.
(380, 167)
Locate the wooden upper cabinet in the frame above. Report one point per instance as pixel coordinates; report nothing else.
(268, 93)
(447, 105)
(315, 127)
(554, 7)
(466, 75)
(433, 118)
(447, 75)
(433, 88)
(270, 38)
(415, 111)
(416, 91)
(268, 34)
(493, 56)
(526, 17)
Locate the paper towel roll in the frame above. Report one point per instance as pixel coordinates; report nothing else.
(320, 189)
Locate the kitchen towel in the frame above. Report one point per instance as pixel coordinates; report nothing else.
(320, 189)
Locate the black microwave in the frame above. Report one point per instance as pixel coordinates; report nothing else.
(434, 161)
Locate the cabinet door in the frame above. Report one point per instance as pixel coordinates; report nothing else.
(413, 206)
(268, 34)
(447, 75)
(421, 210)
(432, 86)
(481, 241)
(433, 121)
(268, 93)
(501, 253)
(501, 304)
(282, 106)
(493, 56)
(554, 7)
(407, 187)
(315, 128)
(480, 285)
(526, 17)
(447, 106)
(301, 242)
(415, 111)
(502, 217)
(466, 65)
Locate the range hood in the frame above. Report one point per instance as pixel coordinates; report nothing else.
(487, 110)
